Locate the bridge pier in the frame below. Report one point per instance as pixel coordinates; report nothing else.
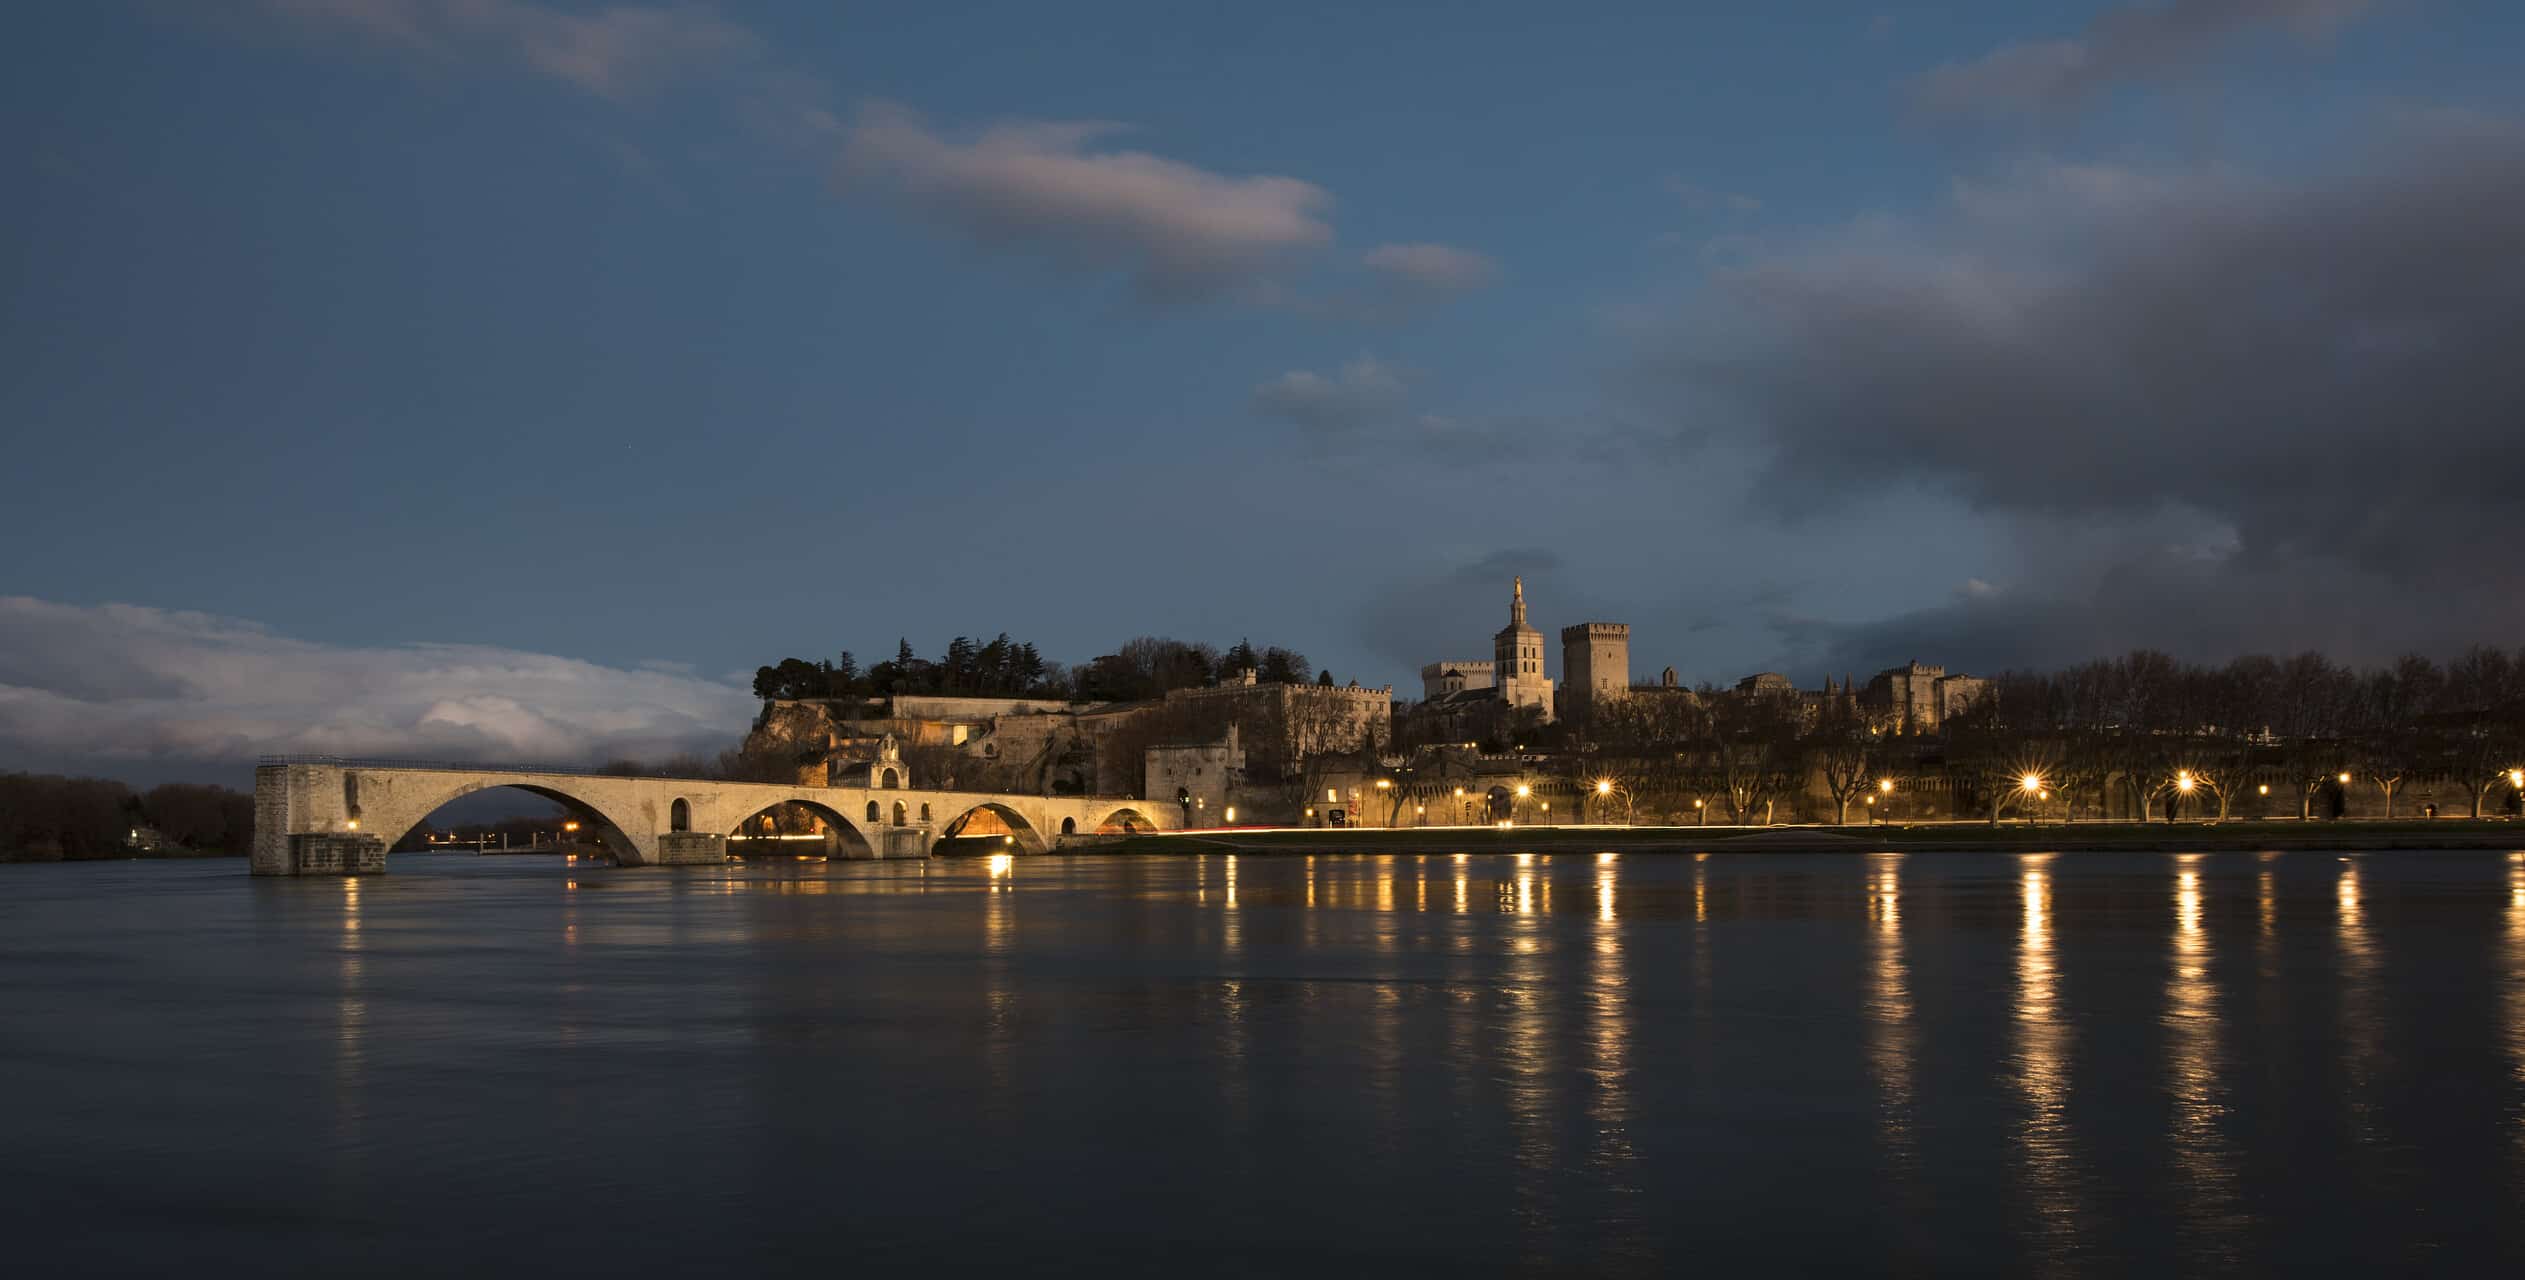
(691, 849)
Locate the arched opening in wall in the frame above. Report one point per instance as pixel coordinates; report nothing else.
(902, 814)
(1501, 804)
(890, 781)
(924, 811)
(875, 815)
(1124, 822)
(991, 828)
(679, 816)
(1069, 826)
(798, 829)
(515, 820)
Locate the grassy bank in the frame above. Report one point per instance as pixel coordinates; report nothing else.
(2010, 837)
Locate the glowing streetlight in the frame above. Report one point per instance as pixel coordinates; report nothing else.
(2262, 789)
(2184, 782)
(2343, 779)
(570, 826)
(2516, 778)
(1885, 785)
(1604, 786)
(1524, 790)
(2030, 783)
(1384, 785)
(354, 824)
(1228, 814)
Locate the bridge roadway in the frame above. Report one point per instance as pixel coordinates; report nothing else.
(327, 816)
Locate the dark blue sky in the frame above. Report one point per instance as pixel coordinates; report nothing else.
(615, 349)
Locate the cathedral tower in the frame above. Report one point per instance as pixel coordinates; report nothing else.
(1517, 653)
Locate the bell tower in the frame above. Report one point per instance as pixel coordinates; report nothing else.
(1517, 653)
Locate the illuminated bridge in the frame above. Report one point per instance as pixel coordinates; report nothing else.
(325, 815)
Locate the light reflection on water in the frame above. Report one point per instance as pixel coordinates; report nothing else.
(1617, 1064)
(1889, 1024)
(2515, 1003)
(2047, 1147)
(2198, 1078)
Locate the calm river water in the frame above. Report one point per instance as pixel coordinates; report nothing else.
(2085, 1064)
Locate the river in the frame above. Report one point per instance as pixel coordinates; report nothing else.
(2088, 1064)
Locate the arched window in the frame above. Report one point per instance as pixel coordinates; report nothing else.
(890, 781)
(924, 813)
(872, 811)
(679, 816)
(1069, 826)
(902, 814)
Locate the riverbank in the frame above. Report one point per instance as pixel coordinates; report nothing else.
(2080, 837)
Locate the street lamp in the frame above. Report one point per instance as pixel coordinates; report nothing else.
(1704, 810)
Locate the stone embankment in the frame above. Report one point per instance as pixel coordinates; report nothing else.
(2085, 837)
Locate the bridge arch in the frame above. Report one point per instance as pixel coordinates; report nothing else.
(1127, 819)
(992, 819)
(842, 837)
(396, 806)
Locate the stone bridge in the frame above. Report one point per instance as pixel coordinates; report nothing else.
(323, 816)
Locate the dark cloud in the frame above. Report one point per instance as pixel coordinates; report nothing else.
(2205, 610)
(2317, 380)
(1450, 613)
(2125, 42)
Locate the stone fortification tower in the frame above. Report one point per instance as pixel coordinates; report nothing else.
(1595, 667)
(1517, 660)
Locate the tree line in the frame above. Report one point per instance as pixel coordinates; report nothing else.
(48, 817)
(2141, 734)
(1144, 667)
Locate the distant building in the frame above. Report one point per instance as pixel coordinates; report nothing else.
(1441, 679)
(1918, 698)
(1468, 701)
(1203, 777)
(1595, 667)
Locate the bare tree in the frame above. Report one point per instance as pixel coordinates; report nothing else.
(1847, 755)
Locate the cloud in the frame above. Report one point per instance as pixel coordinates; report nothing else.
(1432, 268)
(1449, 613)
(2156, 598)
(1182, 231)
(2278, 385)
(124, 684)
(616, 52)
(1361, 396)
(1700, 199)
(2126, 42)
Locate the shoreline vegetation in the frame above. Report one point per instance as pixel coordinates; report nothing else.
(47, 817)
